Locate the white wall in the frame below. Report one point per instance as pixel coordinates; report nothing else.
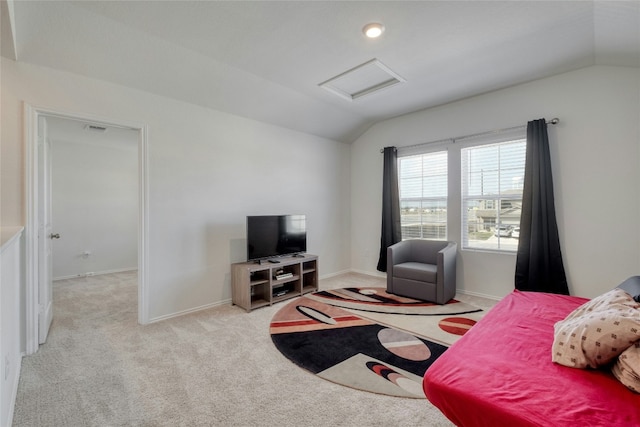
(94, 207)
(595, 157)
(11, 282)
(207, 171)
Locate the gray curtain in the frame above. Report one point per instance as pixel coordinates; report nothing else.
(391, 231)
(539, 264)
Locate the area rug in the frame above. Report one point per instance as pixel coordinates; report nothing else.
(380, 301)
(351, 348)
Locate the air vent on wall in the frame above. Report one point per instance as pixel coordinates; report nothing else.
(95, 128)
(362, 80)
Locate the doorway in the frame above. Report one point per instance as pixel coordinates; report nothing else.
(94, 193)
(38, 232)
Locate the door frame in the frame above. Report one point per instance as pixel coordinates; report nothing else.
(32, 264)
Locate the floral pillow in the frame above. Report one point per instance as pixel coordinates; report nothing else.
(598, 331)
(627, 368)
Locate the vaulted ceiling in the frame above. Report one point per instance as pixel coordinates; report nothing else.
(265, 59)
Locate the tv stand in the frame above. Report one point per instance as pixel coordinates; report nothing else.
(256, 285)
(262, 261)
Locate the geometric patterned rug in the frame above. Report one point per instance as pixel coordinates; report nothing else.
(379, 352)
(378, 300)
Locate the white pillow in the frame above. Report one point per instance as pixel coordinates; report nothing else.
(627, 368)
(598, 331)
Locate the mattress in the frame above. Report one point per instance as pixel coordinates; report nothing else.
(500, 373)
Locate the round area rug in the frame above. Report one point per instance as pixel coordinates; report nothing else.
(380, 301)
(347, 348)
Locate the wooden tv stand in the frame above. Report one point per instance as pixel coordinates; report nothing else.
(255, 284)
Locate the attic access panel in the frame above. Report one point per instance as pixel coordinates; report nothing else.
(362, 80)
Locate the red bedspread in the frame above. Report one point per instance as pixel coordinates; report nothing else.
(500, 373)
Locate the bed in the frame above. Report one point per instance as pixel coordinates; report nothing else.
(500, 373)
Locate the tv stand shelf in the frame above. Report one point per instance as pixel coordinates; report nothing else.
(255, 285)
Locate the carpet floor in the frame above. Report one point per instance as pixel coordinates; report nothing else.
(216, 367)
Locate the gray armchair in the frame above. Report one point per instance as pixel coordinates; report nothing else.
(422, 269)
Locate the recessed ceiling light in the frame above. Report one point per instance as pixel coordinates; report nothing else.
(373, 30)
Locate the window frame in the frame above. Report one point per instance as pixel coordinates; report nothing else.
(455, 224)
(500, 138)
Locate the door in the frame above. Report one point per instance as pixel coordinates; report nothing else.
(38, 245)
(45, 235)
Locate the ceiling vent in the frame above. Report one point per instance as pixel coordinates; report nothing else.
(362, 80)
(95, 128)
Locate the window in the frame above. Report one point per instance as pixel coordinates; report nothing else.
(423, 195)
(468, 190)
(492, 180)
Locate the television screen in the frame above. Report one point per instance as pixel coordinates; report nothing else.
(270, 236)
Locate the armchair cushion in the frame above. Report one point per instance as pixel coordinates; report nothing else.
(416, 271)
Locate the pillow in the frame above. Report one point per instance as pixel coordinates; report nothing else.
(595, 333)
(627, 368)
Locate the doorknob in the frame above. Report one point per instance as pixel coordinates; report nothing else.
(54, 236)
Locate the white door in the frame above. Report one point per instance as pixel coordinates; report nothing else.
(45, 235)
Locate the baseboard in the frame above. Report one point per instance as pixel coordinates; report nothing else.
(478, 294)
(228, 301)
(328, 276)
(188, 311)
(95, 273)
(368, 273)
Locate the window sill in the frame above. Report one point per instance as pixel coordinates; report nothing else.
(490, 251)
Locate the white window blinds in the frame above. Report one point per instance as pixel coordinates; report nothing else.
(492, 180)
(423, 195)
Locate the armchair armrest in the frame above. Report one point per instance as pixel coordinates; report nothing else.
(396, 254)
(447, 272)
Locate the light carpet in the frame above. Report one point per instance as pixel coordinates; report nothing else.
(216, 367)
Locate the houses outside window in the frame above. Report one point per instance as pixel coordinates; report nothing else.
(423, 195)
(467, 190)
(492, 180)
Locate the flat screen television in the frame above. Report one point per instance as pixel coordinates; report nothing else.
(272, 236)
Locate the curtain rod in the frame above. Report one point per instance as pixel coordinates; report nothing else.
(553, 121)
